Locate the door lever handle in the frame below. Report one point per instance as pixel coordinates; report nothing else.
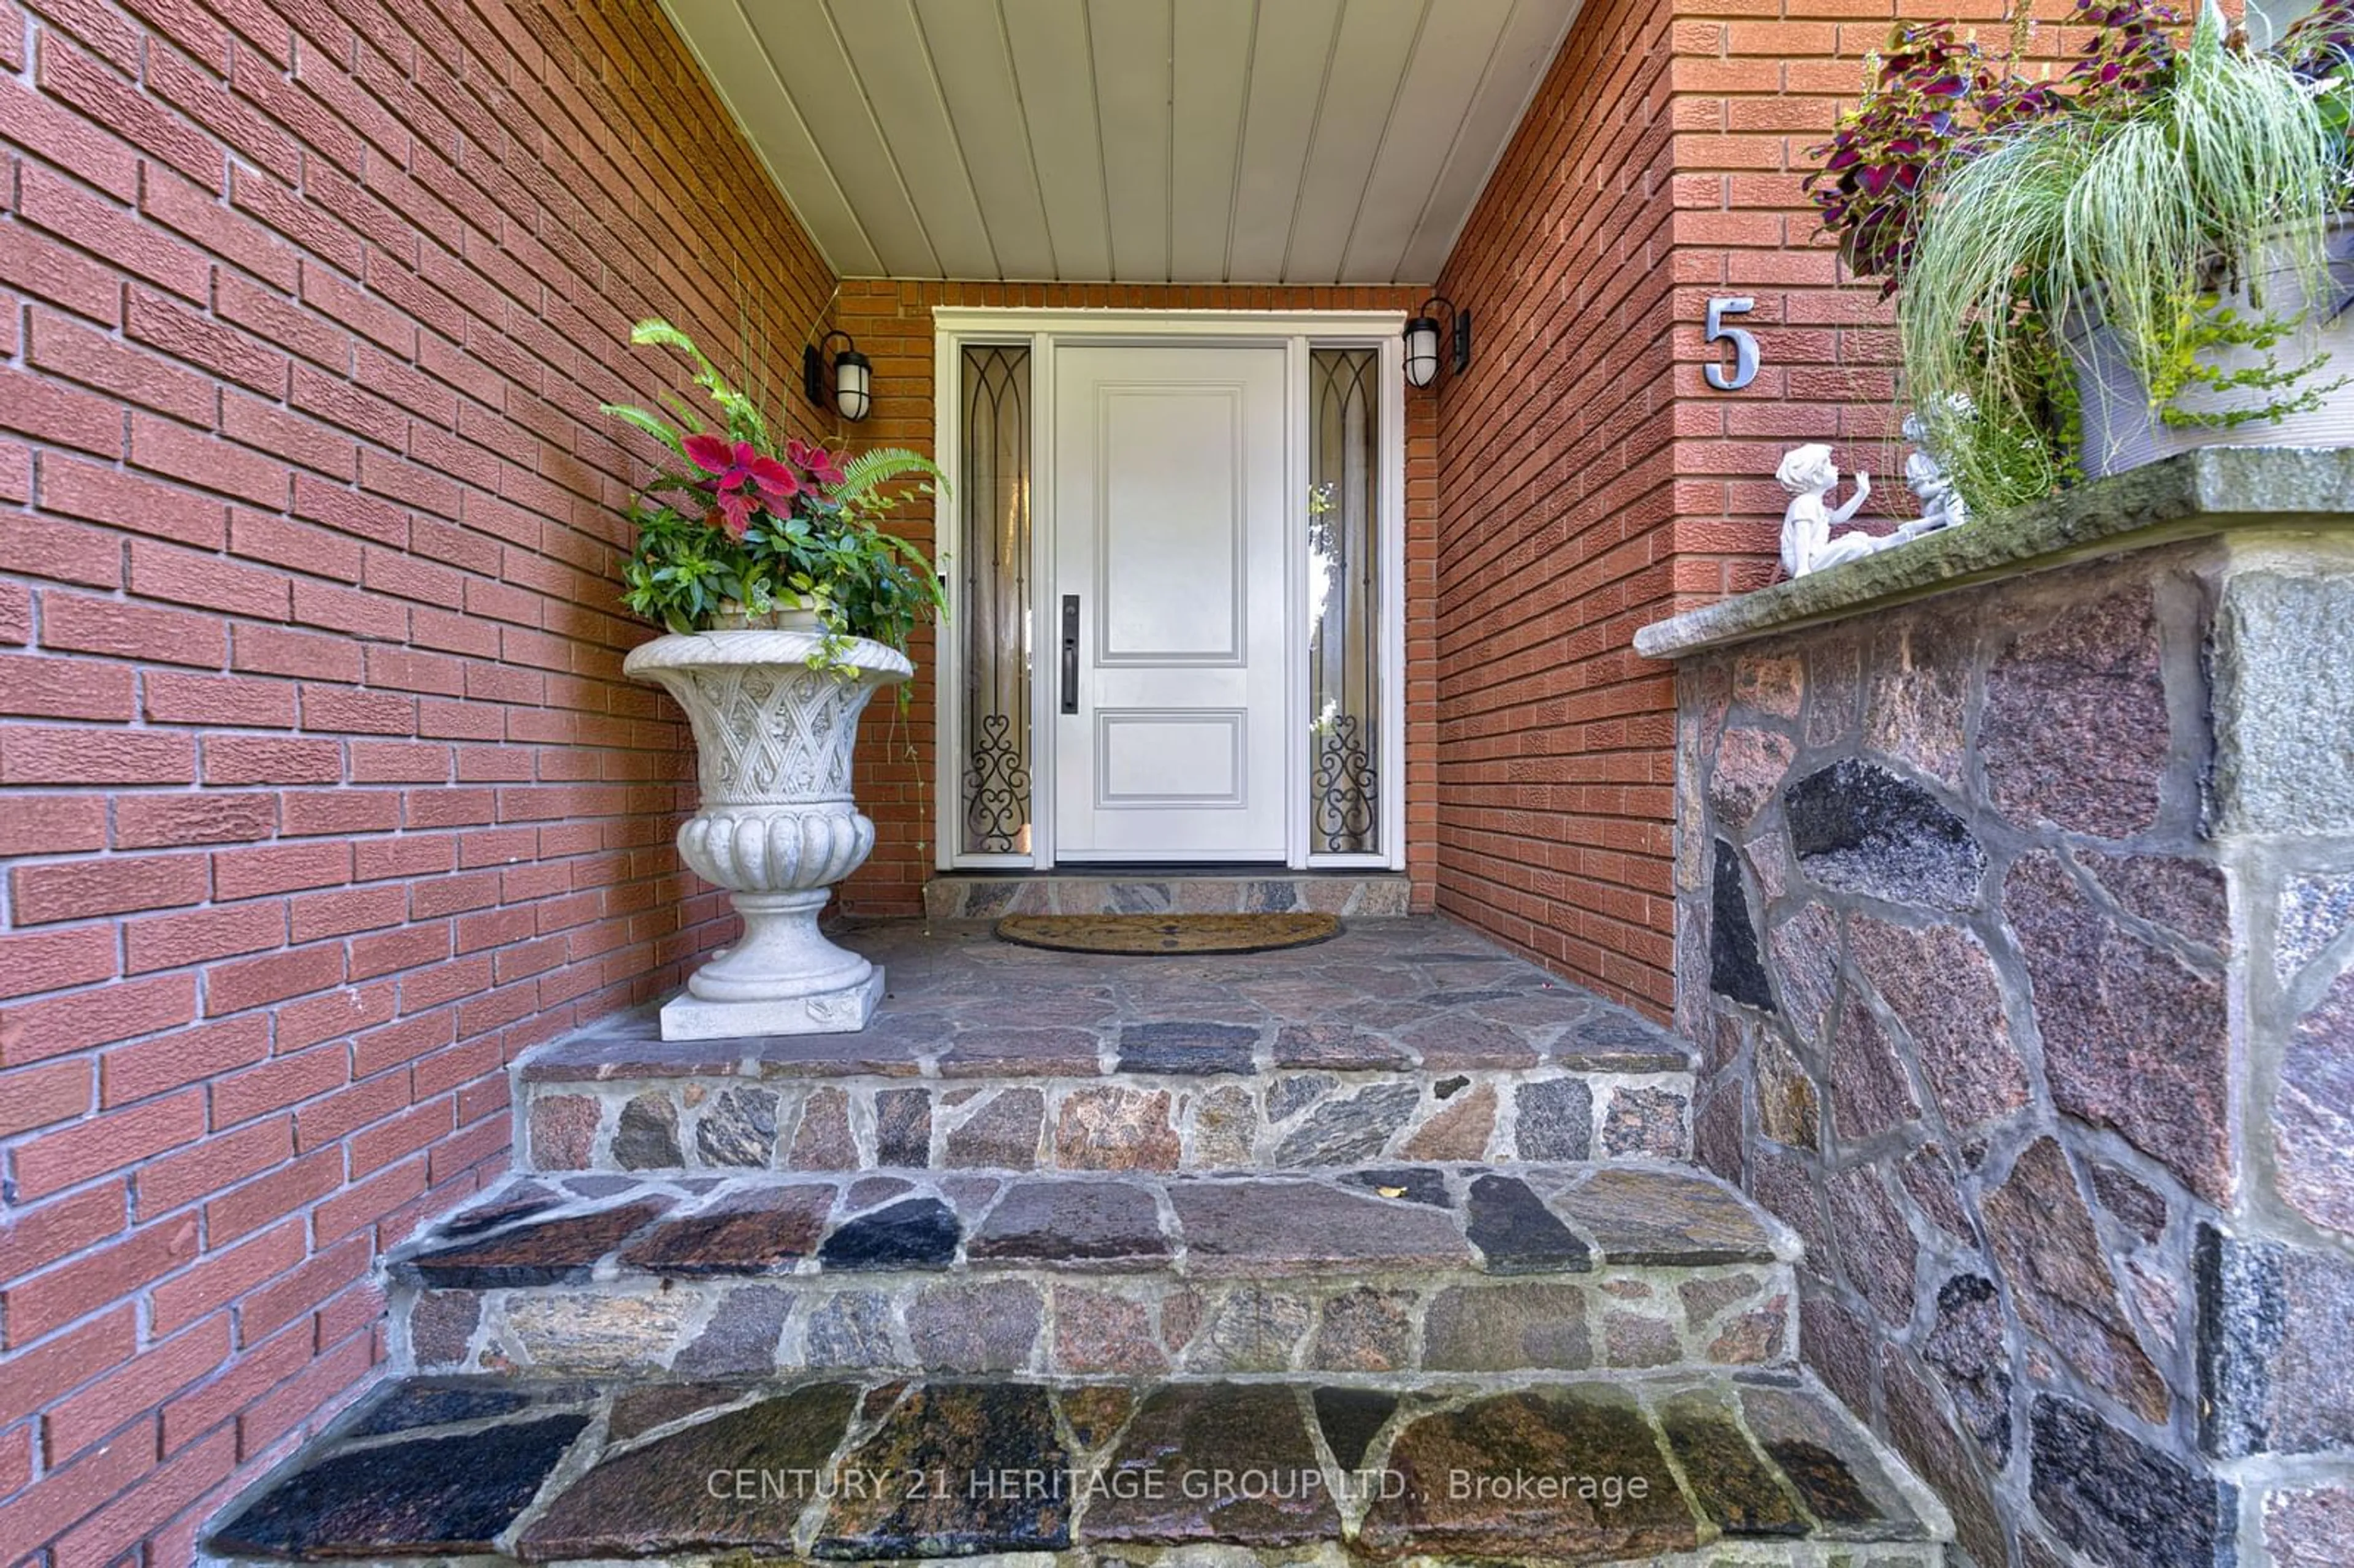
(1070, 652)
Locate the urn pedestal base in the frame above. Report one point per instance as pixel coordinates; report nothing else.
(780, 976)
(687, 1016)
(775, 715)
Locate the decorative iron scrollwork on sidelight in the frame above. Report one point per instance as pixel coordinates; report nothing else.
(1345, 793)
(996, 788)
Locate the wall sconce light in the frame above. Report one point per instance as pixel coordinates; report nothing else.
(1422, 341)
(854, 378)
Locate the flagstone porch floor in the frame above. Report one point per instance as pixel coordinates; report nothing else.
(1409, 1036)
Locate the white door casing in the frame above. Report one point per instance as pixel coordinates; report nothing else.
(1054, 337)
(1169, 534)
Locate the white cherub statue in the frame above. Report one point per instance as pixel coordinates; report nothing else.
(1809, 475)
(1941, 504)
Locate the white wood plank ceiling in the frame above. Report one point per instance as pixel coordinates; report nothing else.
(1129, 141)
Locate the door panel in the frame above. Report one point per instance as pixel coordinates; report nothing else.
(1170, 509)
(1170, 759)
(1168, 492)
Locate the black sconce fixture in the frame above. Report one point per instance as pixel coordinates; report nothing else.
(1422, 341)
(854, 378)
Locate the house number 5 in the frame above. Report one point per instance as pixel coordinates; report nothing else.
(1744, 346)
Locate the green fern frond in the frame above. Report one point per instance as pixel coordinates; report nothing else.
(640, 419)
(655, 332)
(867, 473)
(745, 422)
(689, 419)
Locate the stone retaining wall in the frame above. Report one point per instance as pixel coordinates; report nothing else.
(2017, 925)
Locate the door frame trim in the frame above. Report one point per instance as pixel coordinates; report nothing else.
(1042, 332)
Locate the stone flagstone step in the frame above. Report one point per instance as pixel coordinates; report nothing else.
(1371, 1273)
(1403, 1040)
(1763, 1467)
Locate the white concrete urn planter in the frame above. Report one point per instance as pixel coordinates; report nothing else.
(777, 827)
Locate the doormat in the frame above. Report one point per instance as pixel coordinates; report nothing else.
(1150, 934)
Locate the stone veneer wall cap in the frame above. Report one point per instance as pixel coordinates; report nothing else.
(2212, 490)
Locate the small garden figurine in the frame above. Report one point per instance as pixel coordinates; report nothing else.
(1809, 475)
(1942, 505)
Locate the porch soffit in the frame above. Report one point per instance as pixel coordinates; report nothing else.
(1129, 141)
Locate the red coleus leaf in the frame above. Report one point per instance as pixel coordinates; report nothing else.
(773, 480)
(742, 479)
(730, 466)
(708, 452)
(732, 510)
(822, 465)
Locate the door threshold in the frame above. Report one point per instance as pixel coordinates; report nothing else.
(983, 895)
(1158, 870)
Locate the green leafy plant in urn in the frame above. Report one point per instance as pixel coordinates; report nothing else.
(788, 606)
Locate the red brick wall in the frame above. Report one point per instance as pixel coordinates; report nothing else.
(1590, 482)
(1754, 89)
(323, 791)
(1556, 488)
(892, 323)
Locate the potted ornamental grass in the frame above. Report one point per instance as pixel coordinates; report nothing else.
(788, 606)
(2147, 254)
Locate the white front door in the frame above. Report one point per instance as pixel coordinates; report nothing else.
(1167, 624)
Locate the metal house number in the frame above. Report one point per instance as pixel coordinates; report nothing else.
(1745, 345)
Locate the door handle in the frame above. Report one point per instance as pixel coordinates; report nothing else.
(1070, 652)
